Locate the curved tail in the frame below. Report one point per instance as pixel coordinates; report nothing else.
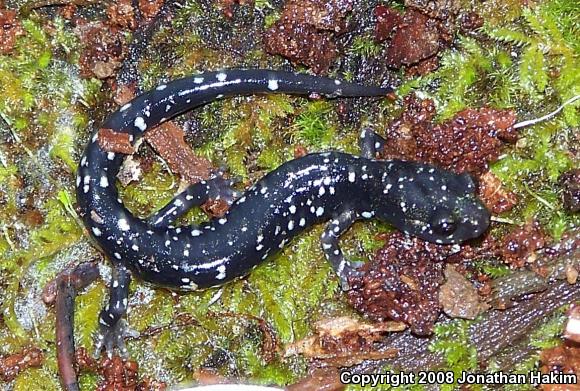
(175, 97)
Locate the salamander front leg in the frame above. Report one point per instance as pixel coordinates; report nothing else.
(112, 326)
(329, 240)
(370, 143)
(215, 188)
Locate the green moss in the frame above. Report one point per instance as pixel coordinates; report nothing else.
(62, 146)
(533, 77)
(262, 4)
(87, 308)
(59, 231)
(88, 381)
(293, 287)
(494, 271)
(9, 184)
(314, 125)
(549, 334)
(532, 171)
(152, 191)
(365, 46)
(452, 341)
(270, 19)
(548, 42)
(36, 379)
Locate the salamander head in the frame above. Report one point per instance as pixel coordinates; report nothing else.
(434, 204)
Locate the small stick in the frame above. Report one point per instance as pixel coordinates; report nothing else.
(547, 116)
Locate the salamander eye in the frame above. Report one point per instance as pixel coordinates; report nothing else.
(444, 225)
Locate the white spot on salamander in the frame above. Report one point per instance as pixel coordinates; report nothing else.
(221, 76)
(123, 225)
(140, 124)
(273, 85)
(221, 272)
(104, 182)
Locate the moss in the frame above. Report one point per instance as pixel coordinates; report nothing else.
(293, 287)
(452, 341)
(88, 381)
(59, 231)
(262, 4)
(9, 184)
(494, 271)
(547, 42)
(270, 19)
(548, 335)
(365, 46)
(532, 171)
(36, 379)
(456, 77)
(154, 190)
(88, 305)
(314, 125)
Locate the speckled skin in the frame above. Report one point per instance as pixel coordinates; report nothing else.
(419, 199)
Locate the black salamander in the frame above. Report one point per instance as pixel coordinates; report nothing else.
(340, 188)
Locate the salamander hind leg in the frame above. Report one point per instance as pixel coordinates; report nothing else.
(197, 194)
(112, 327)
(329, 241)
(370, 143)
(220, 188)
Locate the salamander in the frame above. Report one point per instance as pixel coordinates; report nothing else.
(333, 187)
